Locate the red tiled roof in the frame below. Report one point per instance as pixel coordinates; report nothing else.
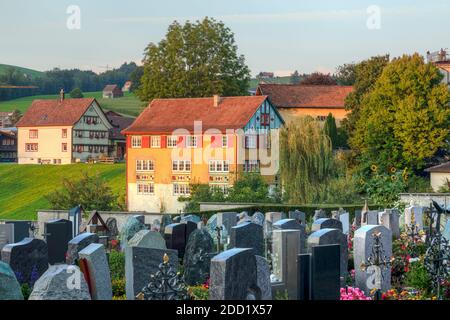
(54, 112)
(444, 65)
(305, 96)
(443, 168)
(167, 115)
(110, 87)
(119, 123)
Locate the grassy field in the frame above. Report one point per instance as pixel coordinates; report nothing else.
(23, 187)
(29, 72)
(128, 105)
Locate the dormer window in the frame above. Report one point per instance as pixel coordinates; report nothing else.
(33, 134)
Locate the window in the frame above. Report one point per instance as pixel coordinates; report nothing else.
(251, 141)
(224, 141)
(64, 147)
(136, 141)
(181, 165)
(219, 166)
(33, 134)
(172, 141)
(64, 133)
(181, 189)
(56, 161)
(191, 141)
(145, 188)
(321, 118)
(156, 142)
(145, 165)
(31, 147)
(251, 166)
(265, 119)
(220, 188)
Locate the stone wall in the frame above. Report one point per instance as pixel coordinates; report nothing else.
(424, 199)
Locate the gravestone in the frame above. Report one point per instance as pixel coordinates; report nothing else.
(141, 264)
(357, 219)
(234, 276)
(263, 278)
(197, 257)
(176, 219)
(211, 225)
(140, 218)
(270, 219)
(304, 276)
(369, 218)
(258, 218)
(363, 245)
(156, 225)
(330, 237)
(76, 217)
(417, 213)
(6, 234)
(248, 235)
(79, 243)
(58, 233)
(325, 272)
(165, 221)
(94, 259)
(131, 227)
(243, 217)
(191, 217)
(27, 258)
(344, 217)
(319, 214)
(446, 232)
(113, 230)
(148, 239)
(175, 237)
(285, 248)
(390, 219)
(9, 286)
(61, 282)
(326, 223)
(298, 215)
(21, 229)
(291, 224)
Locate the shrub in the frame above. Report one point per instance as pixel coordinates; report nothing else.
(418, 278)
(117, 264)
(26, 291)
(199, 292)
(118, 289)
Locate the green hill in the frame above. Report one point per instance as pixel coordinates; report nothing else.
(29, 72)
(129, 104)
(23, 187)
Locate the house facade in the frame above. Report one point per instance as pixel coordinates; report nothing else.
(5, 119)
(175, 143)
(439, 176)
(8, 145)
(118, 146)
(62, 131)
(112, 91)
(317, 101)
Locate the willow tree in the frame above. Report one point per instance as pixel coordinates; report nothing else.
(306, 161)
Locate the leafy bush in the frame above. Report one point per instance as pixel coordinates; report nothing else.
(76, 93)
(418, 278)
(199, 292)
(118, 289)
(26, 291)
(117, 264)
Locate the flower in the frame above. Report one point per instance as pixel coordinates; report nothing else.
(351, 293)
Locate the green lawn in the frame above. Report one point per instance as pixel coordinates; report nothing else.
(23, 187)
(29, 72)
(128, 105)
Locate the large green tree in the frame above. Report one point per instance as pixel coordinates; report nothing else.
(405, 119)
(194, 60)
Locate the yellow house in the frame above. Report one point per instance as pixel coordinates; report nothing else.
(175, 143)
(439, 175)
(62, 131)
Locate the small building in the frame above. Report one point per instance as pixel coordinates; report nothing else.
(441, 59)
(62, 131)
(127, 86)
(439, 175)
(5, 119)
(117, 139)
(8, 145)
(317, 101)
(175, 143)
(265, 75)
(112, 91)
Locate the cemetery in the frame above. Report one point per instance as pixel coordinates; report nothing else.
(368, 254)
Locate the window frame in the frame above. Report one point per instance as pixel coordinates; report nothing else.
(145, 165)
(136, 142)
(155, 139)
(142, 190)
(172, 141)
(33, 136)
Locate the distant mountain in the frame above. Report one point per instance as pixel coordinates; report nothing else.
(29, 72)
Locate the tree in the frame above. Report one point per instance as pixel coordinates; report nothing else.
(330, 130)
(15, 117)
(295, 78)
(405, 119)
(346, 74)
(76, 93)
(318, 78)
(366, 74)
(135, 78)
(91, 192)
(306, 161)
(194, 60)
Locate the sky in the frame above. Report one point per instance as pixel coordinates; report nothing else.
(273, 35)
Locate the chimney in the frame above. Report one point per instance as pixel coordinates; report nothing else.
(216, 98)
(61, 95)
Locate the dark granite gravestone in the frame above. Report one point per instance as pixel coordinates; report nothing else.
(79, 243)
(319, 214)
(304, 276)
(165, 221)
(141, 264)
(175, 237)
(234, 276)
(58, 233)
(248, 235)
(190, 227)
(27, 258)
(113, 230)
(191, 217)
(21, 229)
(326, 223)
(325, 275)
(197, 257)
(258, 217)
(298, 215)
(357, 219)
